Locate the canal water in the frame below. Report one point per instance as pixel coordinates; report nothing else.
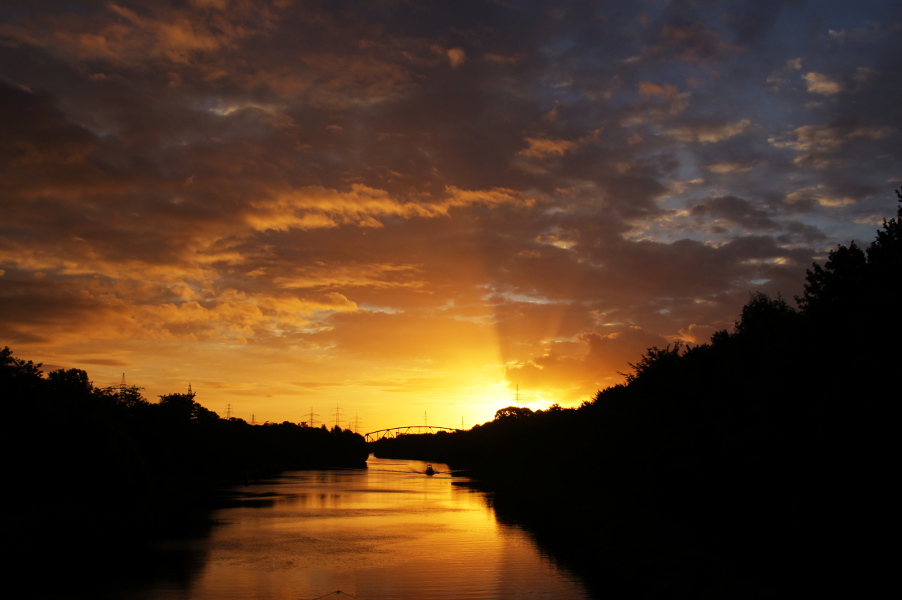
(386, 532)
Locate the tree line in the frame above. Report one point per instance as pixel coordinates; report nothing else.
(757, 464)
(110, 465)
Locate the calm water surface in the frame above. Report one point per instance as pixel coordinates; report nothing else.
(386, 532)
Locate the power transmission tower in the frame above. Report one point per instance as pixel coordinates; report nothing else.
(312, 424)
(337, 416)
(122, 389)
(228, 412)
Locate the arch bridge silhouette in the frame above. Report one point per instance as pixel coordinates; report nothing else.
(394, 432)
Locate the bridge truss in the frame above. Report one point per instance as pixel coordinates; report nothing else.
(394, 432)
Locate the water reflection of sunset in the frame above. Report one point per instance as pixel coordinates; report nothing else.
(382, 214)
(386, 532)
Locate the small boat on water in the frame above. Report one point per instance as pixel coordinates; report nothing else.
(430, 470)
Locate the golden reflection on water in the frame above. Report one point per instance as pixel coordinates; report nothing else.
(388, 531)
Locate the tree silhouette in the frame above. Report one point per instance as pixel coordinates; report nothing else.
(71, 383)
(839, 283)
(183, 407)
(852, 279)
(655, 361)
(513, 412)
(18, 377)
(764, 314)
(885, 254)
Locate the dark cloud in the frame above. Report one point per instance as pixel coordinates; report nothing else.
(808, 234)
(736, 211)
(752, 22)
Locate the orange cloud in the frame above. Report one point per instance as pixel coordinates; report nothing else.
(818, 83)
(648, 89)
(818, 144)
(235, 316)
(576, 374)
(540, 148)
(122, 35)
(707, 133)
(316, 207)
(330, 274)
(457, 57)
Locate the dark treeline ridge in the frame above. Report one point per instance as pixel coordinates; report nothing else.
(108, 468)
(756, 465)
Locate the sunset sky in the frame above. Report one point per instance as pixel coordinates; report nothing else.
(405, 209)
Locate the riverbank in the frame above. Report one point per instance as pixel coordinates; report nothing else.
(620, 548)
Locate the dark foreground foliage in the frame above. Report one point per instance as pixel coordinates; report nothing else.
(757, 465)
(106, 470)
